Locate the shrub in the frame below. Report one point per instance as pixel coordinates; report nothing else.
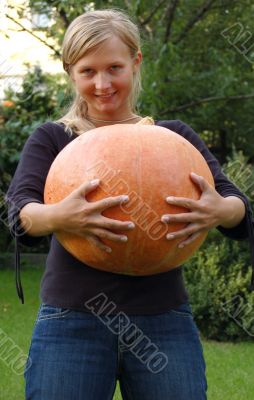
(41, 97)
(218, 275)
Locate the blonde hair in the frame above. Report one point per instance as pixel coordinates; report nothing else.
(85, 33)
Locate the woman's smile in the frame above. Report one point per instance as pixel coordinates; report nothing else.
(107, 96)
(104, 78)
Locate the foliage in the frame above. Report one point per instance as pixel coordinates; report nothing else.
(218, 276)
(42, 97)
(217, 279)
(239, 171)
(197, 66)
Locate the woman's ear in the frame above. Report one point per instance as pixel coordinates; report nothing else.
(137, 60)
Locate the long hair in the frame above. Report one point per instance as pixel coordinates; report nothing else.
(85, 33)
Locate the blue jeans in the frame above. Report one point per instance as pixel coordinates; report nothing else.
(79, 356)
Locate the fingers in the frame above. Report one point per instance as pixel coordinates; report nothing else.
(191, 229)
(189, 240)
(182, 202)
(108, 202)
(96, 242)
(99, 234)
(102, 204)
(201, 182)
(112, 224)
(104, 234)
(87, 187)
(181, 217)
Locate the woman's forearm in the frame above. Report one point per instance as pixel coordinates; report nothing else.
(38, 219)
(41, 219)
(234, 211)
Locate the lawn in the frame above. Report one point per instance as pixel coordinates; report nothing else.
(230, 367)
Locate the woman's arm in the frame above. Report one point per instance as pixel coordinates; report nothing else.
(38, 219)
(224, 187)
(27, 185)
(234, 212)
(209, 211)
(74, 214)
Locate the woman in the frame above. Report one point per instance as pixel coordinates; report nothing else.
(75, 352)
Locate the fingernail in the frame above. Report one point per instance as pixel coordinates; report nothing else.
(108, 250)
(94, 182)
(131, 225)
(124, 239)
(124, 199)
(170, 198)
(170, 236)
(165, 218)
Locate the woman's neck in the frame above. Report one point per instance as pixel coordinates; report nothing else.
(107, 121)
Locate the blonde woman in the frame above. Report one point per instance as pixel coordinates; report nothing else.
(75, 354)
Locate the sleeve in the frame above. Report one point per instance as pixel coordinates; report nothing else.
(222, 184)
(245, 229)
(28, 181)
(27, 186)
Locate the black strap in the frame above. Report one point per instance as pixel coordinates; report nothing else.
(17, 271)
(250, 222)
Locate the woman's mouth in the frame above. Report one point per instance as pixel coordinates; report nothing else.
(105, 96)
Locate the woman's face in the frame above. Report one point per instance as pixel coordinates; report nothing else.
(104, 78)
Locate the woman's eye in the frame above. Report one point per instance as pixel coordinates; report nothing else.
(87, 72)
(115, 67)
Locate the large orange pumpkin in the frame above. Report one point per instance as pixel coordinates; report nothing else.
(148, 163)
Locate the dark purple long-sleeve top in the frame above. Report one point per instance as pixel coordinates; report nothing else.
(69, 283)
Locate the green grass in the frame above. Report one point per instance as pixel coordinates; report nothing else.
(230, 366)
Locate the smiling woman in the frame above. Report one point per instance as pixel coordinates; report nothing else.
(103, 61)
(93, 326)
(104, 79)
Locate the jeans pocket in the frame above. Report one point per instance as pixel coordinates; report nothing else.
(183, 310)
(50, 312)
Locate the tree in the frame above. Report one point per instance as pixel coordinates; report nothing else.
(198, 63)
(41, 98)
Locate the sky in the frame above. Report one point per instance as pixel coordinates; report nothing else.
(18, 47)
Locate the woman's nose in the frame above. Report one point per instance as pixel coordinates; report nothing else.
(102, 81)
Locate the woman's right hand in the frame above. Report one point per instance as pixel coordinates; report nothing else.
(76, 215)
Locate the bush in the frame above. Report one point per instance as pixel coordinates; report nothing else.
(218, 276)
(42, 97)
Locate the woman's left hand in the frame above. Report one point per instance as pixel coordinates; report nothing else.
(206, 213)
